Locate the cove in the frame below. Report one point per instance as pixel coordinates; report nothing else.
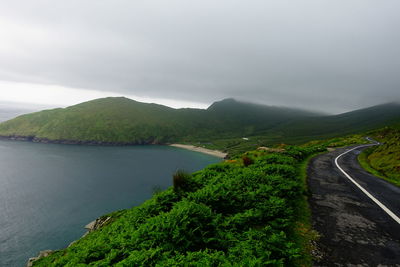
(49, 192)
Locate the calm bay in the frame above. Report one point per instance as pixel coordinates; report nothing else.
(49, 192)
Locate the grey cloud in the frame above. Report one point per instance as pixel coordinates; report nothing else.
(327, 55)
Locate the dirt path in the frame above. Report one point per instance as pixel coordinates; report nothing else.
(354, 230)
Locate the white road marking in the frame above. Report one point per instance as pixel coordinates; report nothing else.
(383, 207)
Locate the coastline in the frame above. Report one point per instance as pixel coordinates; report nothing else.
(215, 153)
(75, 142)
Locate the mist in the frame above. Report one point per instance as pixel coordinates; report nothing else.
(332, 56)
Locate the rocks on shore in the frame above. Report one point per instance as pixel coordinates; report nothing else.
(92, 226)
(42, 254)
(96, 224)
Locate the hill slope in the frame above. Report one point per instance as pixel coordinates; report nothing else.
(125, 121)
(249, 211)
(346, 123)
(229, 214)
(247, 119)
(384, 160)
(121, 120)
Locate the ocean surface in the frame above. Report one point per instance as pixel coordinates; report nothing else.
(49, 192)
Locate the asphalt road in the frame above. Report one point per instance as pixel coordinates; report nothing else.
(354, 230)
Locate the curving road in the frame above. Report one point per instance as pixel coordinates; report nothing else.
(354, 228)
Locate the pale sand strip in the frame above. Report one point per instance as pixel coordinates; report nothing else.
(214, 153)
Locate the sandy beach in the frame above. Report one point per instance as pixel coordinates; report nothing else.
(215, 153)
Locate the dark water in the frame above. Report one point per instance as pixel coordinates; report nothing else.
(49, 192)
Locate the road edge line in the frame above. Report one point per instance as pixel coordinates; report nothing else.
(380, 204)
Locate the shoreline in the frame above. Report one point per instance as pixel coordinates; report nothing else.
(74, 142)
(215, 153)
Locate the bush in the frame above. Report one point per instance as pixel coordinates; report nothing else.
(247, 161)
(187, 227)
(229, 214)
(287, 171)
(181, 181)
(206, 257)
(276, 158)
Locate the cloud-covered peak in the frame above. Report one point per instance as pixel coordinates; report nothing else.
(326, 55)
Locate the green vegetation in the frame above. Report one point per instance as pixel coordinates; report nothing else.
(121, 120)
(232, 126)
(251, 210)
(384, 160)
(247, 211)
(181, 181)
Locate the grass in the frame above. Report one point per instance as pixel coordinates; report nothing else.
(364, 162)
(124, 121)
(384, 161)
(251, 210)
(229, 214)
(237, 146)
(303, 234)
(232, 126)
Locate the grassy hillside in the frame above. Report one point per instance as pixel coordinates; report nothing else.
(301, 130)
(8, 113)
(245, 119)
(249, 211)
(384, 160)
(104, 120)
(342, 124)
(121, 120)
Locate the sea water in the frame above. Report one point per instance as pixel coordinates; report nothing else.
(49, 192)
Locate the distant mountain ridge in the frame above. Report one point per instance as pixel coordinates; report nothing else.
(119, 120)
(346, 123)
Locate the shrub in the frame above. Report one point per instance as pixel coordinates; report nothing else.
(181, 180)
(266, 246)
(283, 170)
(229, 214)
(187, 227)
(206, 257)
(247, 161)
(276, 158)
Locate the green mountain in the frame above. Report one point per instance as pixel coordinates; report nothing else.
(236, 119)
(247, 211)
(125, 121)
(121, 120)
(346, 123)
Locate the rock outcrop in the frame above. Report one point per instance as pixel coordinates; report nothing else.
(96, 224)
(42, 254)
(92, 226)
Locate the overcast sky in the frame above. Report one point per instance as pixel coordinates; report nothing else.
(335, 55)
